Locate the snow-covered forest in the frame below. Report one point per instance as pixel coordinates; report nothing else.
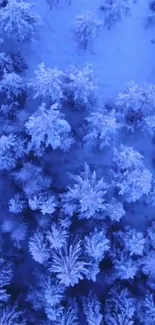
(77, 162)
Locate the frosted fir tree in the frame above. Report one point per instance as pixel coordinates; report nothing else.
(13, 62)
(96, 245)
(6, 64)
(126, 268)
(86, 197)
(103, 127)
(114, 11)
(134, 242)
(47, 84)
(68, 263)
(92, 309)
(47, 294)
(8, 224)
(67, 315)
(52, 3)
(18, 21)
(11, 149)
(149, 124)
(150, 19)
(131, 177)
(120, 308)
(147, 310)
(16, 204)
(136, 184)
(115, 210)
(12, 86)
(5, 280)
(86, 29)
(16, 228)
(80, 87)
(126, 159)
(53, 292)
(148, 264)
(18, 61)
(93, 270)
(47, 127)
(57, 236)
(38, 247)
(19, 233)
(12, 316)
(135, 106)
(45, 203)
(150, 238)
(32, 180)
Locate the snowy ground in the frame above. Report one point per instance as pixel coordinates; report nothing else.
(120, 55)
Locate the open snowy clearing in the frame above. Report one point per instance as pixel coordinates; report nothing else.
(120, 55)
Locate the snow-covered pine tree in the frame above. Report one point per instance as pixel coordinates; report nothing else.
(68, 263)
(12, 316)
(97, 244)
(86, 29)
(92, 309)
(38, 247)
(32, 180)
(120, 307)
(132, 178)
(45, 203)
(46, 294)
(18, 21)
(103, 127)
(147, 310)
(114, 11)
(48, 84)
(136, 105)
(66, 315)
(79, 87)
(86, 196)
(5, 279)
(47, 127)
(6, 64)
(12, 86)
(11, 149)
